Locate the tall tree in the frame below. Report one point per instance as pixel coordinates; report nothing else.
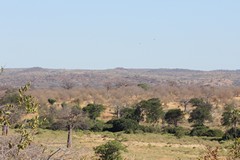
(151, 109)
(173, 116)
(231, 117)
(201, 113)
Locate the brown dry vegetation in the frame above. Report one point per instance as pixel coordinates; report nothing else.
(122, 90)
(171, 96)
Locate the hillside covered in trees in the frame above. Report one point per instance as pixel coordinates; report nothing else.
(181, 103)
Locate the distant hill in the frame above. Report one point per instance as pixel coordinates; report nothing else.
(48, 78)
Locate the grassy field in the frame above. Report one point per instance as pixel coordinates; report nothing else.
(140, 146)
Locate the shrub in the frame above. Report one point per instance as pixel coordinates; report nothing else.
(84, 123)
(122, 124)
(59, 125)
(177, 131)
(205, 131)
(199, 131)
(51, 101)
(144, 86)
(98, 126)
(10, 97)
(234, 151)
(150, 129)
(110, 151)
(180, 132)
(231, 134)
(214, 133)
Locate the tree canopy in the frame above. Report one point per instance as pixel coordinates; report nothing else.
(201, 113)
(94, 110)
(173, 116)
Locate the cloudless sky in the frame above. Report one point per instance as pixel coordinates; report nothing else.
(102, 34)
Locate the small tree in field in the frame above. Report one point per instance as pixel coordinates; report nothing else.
(110, 151)
(173, 116)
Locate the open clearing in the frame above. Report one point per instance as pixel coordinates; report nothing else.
(140, 146)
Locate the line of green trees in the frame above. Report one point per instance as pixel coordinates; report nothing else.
(145, 116)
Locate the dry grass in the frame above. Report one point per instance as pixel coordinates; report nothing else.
(140, 146)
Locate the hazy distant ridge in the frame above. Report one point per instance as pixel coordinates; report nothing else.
(47, 78)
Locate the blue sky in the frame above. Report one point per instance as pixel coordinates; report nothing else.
(94, 34)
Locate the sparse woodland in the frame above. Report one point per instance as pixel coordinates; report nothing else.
(183, 111)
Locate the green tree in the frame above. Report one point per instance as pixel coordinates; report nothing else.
(94, 110)
(110, 151)
(231, 117)
(127, 113)
(201, 113)
(127, 125)
(151, 109)
(132, 113)
(147, 110)
(173, 116)
(197, 101)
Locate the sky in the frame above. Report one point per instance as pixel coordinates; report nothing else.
(94, 34)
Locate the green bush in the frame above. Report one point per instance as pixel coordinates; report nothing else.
(110, 151)
(51, 101)
(205, 131)
(180, 132)
(122, 124)
(150, 129)
(231, 134)
(199, 131)
(98, 126)
(176, 131)
(214, 133)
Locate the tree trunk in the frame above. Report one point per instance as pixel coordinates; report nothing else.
(235, 129)
(175, 123)
(185, 107)
(5, 130)
(69, 139)
(118, 112)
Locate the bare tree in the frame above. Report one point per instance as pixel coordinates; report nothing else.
(68, 84)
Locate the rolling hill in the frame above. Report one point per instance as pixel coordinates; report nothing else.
(52, 78)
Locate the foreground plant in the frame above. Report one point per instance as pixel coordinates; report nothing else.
(27, 126)
(234, 151)
(110, 151)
